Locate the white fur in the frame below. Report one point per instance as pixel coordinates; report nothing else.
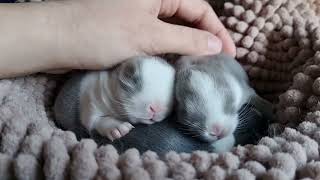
(158, 85)
(96, 98)
(93, 102)
(223, 145)
(203, 84)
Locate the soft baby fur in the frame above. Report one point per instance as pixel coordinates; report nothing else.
(278, 42)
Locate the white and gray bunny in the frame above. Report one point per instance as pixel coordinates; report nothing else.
(139, 90)
(210, 91)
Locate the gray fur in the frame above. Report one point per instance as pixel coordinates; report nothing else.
(129, 76)
(216, 66)
(160, 137)
(183, 90)
(67, 106)
(125, 81)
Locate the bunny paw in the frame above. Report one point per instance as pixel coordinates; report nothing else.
(119, 131)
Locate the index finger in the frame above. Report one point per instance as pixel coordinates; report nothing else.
(199, 13)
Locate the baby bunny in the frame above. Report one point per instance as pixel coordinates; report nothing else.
(210, 91)
(139, 90)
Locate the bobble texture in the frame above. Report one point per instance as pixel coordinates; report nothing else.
(278, 42)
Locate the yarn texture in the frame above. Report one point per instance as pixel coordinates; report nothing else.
(278, 44)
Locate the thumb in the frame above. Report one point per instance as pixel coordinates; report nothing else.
(170, 38)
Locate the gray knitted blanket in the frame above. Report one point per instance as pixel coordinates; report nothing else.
(278, 43)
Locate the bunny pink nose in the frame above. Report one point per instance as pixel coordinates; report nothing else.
(217, 130)
(155, 108)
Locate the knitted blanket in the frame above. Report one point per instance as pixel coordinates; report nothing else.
(278, 43)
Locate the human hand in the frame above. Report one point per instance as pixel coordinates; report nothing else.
(100, 33)
(62, 35)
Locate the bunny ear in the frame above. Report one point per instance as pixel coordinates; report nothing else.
(263, 106)
(184, 62)
(128, 70)
(129, 75)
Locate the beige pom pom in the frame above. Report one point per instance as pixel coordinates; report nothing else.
(316, 58)
(136, 173)
(271, 143)
(107, 154)
(316, 33)
(253, 31)
(274, 174)
(183, 170)
(310, 146)
(256, 7)
(241, 152)
(262, 39)
(285, 162)
(316, 86)
(236, 37)
(228, 6)
(228, 161)
(267, 27)
(237, 11)
(253, 57)
(297, 152)
(241, 52)
(231, 22)
(255, 168)
(185, 156)
(312, 169)
(267, 11)
(248, 16)
(260, 153)
(308, 128)
(287, 31)
(247, 42)
(299, 30)
(257, 46)
(247, 3)
(285, 16)
(241, 26)
(276, 20)
(264, 2)
(215, 172)
(302, 82)
(201, 161)
(314, 116)
(259, 22)
(290, 5)
(316, 45)
(313, 102)
(130, 159)
(172, 158)
(157, 169)
(242, 174)
(290, 114)
(311, 26)
(222, 19)
(313, 71)
(292, 97)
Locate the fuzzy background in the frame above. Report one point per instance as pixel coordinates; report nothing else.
(278, 43)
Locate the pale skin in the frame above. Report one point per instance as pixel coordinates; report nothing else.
(57, 36)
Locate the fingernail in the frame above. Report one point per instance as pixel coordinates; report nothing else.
(214, 45)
